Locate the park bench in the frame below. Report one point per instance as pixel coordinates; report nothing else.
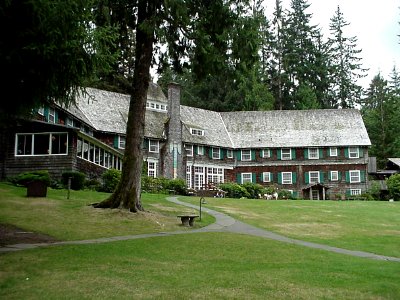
(187, 220)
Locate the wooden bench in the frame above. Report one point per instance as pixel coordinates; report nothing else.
(187, 220)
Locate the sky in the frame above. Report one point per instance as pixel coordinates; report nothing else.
(374, 23)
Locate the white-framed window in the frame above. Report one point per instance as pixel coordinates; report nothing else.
(266, 176)
(53, 143)
(52, 115)
(354, 152)
(333, 151)
(313, 176)
(247, 177)
(286, 177)
(246, 155)
(121, 142)
(355, 192)
(189, 150)
(286, 154)
(198, 177)
(215, 153)
(334, 175)
(215, 175)
(265, 153)
(200, 150)
(189, 176)
(229, 153)
(154, 146)
(156, 106)
(195, 131)
(152, 169)
(313, 153)
(355, 176)
(69, 122)
(152, 105)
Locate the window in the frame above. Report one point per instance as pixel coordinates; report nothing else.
(229, 153)
(355, 192)
(200, 150)
(156, 106)
(215, 175)
(52, 115)
(215, 153)
(195, 131)
(41, 111)
(313, 153)
(247, 177)
(355, 176)
(41, 144)
(354, 152)
(334, 175)
(69, 122)
(266, 176)
(189, 150)
(286, 177)
(121, 142)
(313, 176)
(333, 151)
(198, 178)
(246, 155)
(153, 146)
(286, 154)
(152, 169)
(265, 153)
(189, 176)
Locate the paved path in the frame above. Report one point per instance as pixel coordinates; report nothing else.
(223, 223)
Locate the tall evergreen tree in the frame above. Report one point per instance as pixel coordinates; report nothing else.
(346, 63)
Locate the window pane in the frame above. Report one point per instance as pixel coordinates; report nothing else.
(59, 143)
(24, 144)
(79, 148)
(41, 144)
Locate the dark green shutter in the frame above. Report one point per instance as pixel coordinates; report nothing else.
(362, 176)
(280, 178)
(253, 154)
(254, 177)
(321, 153)
(221, 153)
(294, 177)
(239, 154)
(339, 176)
(346, 152)
(210, 153)
(278, 153)
(330, 175)
(293, 153)
(347, 176)
(46, 113)
(55, 116)
(307, 177)
(361, 151)
(262, 177)
(146, 143)
(306, 153)
(321, 176)
(261, 153)
(239, 178)
(116, 141)
(196, 149)
(271, 177)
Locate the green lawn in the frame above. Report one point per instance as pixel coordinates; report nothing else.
(201, 265)
(75, 219)
(372, 226)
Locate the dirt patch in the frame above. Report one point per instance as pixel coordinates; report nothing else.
(10, 235)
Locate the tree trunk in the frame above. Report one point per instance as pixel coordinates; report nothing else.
(127, 194)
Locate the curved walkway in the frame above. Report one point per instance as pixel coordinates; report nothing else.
(223, 223)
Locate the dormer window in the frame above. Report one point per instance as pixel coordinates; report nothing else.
(195, 131)
(156, 106)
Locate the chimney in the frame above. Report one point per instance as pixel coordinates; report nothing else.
(173, 162)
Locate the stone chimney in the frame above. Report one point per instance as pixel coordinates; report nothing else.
(173, 160)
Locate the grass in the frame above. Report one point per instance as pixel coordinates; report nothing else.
(372, 226)
(194, 266)
(75, 219)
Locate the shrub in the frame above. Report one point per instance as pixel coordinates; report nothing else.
(154, 185)
(111, 179)
(26, 177)
(393, 185)
(93, 184)
(178, 185)
(284, 194)
(77, 180)
(234, 190)
(253, 189)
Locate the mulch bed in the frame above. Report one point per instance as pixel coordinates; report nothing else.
(10, 235)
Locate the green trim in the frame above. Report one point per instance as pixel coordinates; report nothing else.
(279, 154)
(239, 154)
(306, 153)
(307, 177)
(321, 176)
(253, 154)
(346, 152)
(293, 151)
(347, 176)
(271, 177)
(294, 177)
(254, 177)
(360, 151)
(239, 178)
(280, 177)
(362, 176)
(116, 141)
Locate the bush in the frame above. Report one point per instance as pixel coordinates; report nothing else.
(93, 184)
(111, 178)
(26, 177)
(393, 185)
(178, 185)
(284, 194)
(154, 185)
(253, 189)
(234, 190)
(77, 180)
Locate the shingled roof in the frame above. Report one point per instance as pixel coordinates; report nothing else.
(108, 111)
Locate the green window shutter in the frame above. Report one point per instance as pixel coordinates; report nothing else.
(253, 154)
(340, 176)
(116, 141)
(329, 175)
(280, 178)
(261, 153)
(362, 176)
(261, 177)
(210, 153)
(278, 153)
(346, 152)
(239, 154)
(306, 153)
(46, 113)
(338, 152)
(254, 177)
(239, 178)
(321, 153)
(321, 176)
(221, 153)
(348, 193)
(271, 176)
(361, 151)
(196, 150)
(294, 177)
(347, 176)
(56, 116)
(307, 177)
(146, 144)
(293, 153)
